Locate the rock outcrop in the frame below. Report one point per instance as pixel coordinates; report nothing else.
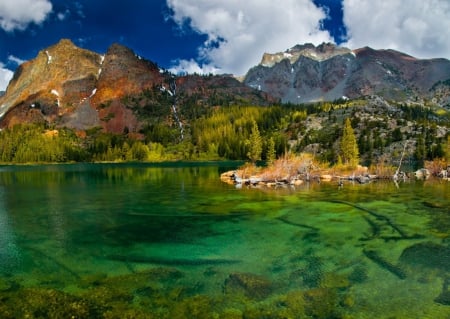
(50, 85)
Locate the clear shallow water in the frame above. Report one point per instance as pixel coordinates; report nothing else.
(172, 241)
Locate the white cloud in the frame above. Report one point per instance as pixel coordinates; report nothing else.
(239, 32)
(63, 15)
(15, 60)
(191, 66)
(18, 14)
(5, 76)
(417, 27)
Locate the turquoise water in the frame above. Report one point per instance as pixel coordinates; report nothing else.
(172, 241)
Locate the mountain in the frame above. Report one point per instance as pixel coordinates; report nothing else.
(72, 87)
(67, 86)
(119, 106)
(306, 73)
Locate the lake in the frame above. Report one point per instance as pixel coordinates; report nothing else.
(173, 241)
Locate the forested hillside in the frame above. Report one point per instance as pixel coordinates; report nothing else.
(69, 104)
(383, 131)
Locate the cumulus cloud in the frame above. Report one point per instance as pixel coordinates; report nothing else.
(239, 32)
(417, 27)
(191, 66)
(5, 76)
(18, 14)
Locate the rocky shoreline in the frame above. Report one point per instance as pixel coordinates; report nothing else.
(235, 177)
(238, 177)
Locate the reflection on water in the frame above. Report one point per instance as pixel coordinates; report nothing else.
(9, 254)
(172, 241)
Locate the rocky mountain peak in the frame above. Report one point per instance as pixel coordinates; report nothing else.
(64, 44)
(322, 52)
(50, 77)
(124, 72)
(70, 84)
(306, 73)
(119, 50)
(72, 87)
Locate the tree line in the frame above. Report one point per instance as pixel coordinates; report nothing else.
(229, 132)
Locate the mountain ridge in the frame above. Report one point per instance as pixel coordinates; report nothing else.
(80, 89)
(119, 106)
(306, 73)
(85, 89)
(322, 52)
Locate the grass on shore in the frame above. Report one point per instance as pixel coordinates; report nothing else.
(304, 166)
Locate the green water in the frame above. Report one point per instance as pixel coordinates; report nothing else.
(172, 241)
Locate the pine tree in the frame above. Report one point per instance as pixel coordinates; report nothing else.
(420, 151)
(349, 147)
(271, 153)
(254, 144)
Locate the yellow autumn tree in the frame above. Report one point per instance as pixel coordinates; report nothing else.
(271, 154)
(254, 144)
(348, 147)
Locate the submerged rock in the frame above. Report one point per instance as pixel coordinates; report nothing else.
(321, 303)
(253, 286)
(433, 204)
(444, 297)
(47, 303)
(8, 285)
(358, 274)
(428, 254)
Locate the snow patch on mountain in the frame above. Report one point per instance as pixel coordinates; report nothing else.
(54, 92)
(93, 92)
(49, 57)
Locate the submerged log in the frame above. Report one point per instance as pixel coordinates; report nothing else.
(383, 263)
(172, 261)
(379, 217)
(54, 261)
(376, 230)
(285, 220)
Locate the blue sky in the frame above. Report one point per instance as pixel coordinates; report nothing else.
(221, 36)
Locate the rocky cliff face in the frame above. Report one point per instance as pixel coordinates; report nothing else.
(72, 87)
(77, 88)
(307, 73)
(52, 83)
